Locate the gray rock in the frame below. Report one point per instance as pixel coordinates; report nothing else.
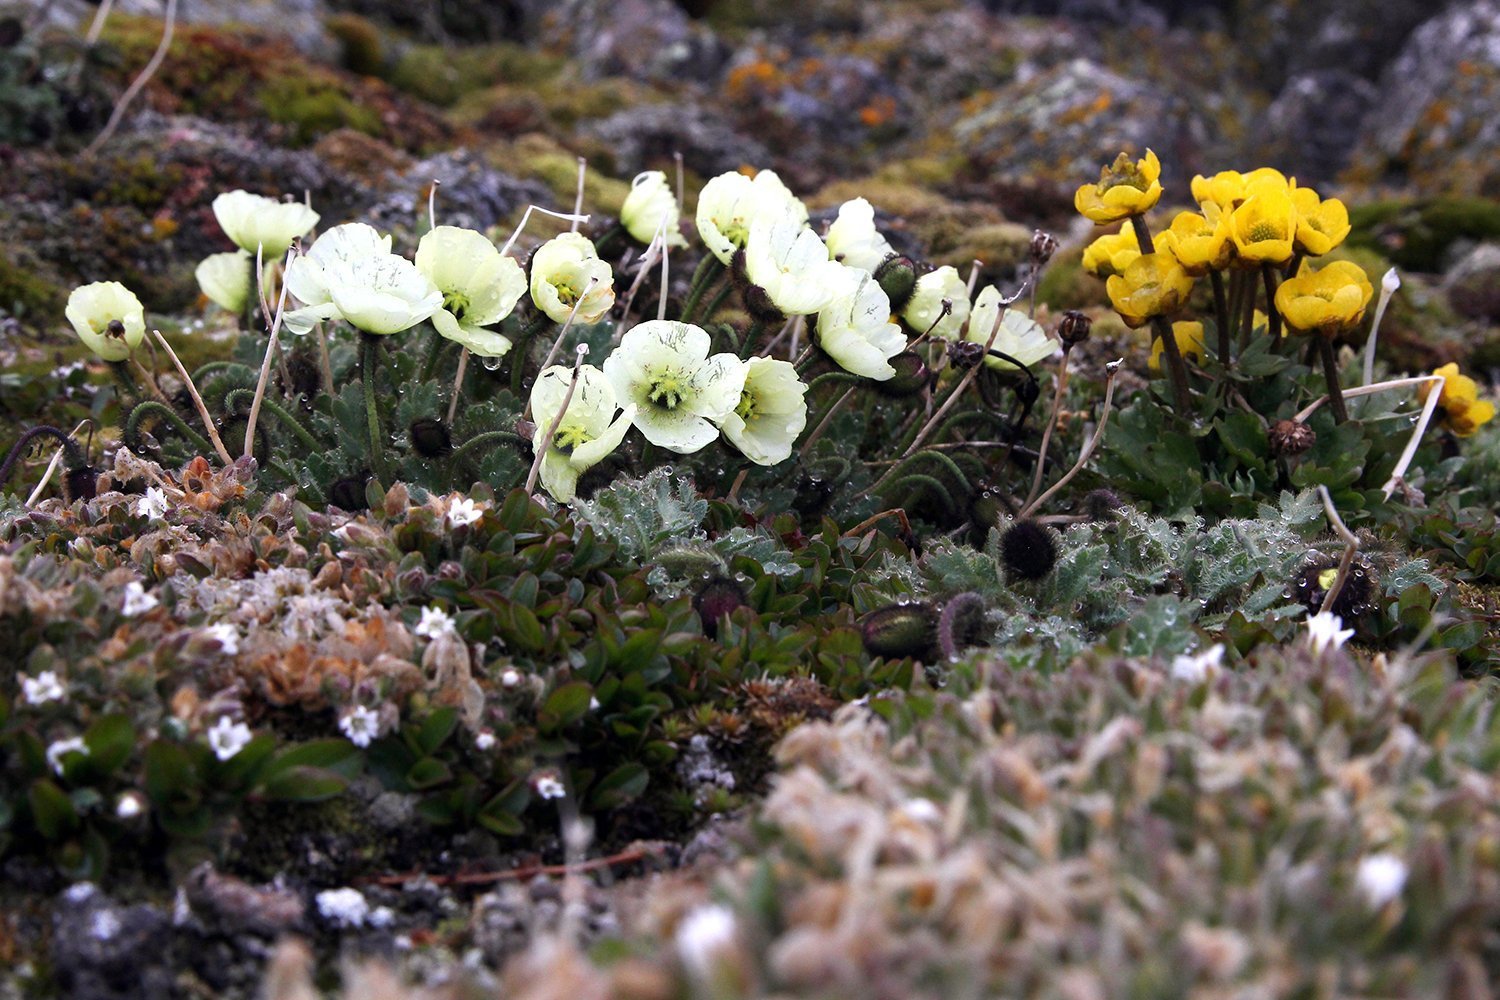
(648, 135)
(103, 950)
(640, 39)
(301, 21)
(473, 194)
(1473, 286)
(1312, 126)
(1434, 123)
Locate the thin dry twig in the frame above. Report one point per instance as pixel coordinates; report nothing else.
(628, 856)
(208, 421)
(545, 441)
(1351, 548)
(169, 27)
(1111, 370)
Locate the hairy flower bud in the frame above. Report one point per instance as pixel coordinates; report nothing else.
(1316, 578)
(349, 492)
(899, 630)
(430, 437)
(912, 376)
(82, 483)
(1074, 328)
(717, 598)
(1290, 438)
(1100, 504)
(897, 277)
(1028, 550)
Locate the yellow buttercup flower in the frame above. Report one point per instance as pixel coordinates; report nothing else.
(1264, 227)
(1153, 285)
(1113, 253)
(1267, 175)
(1463, 412)
(1225, 189)
(1322, 223)
(1200, 243)
(1327, 301)
(1126, 187)
(1189, 337)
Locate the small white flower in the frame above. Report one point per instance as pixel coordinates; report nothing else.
(731, 203)
(480, 287)
(771, 414)
(153, 505)
(678, 391)
(343, 907)
(42, 688)
(651, 205)
(228, 738)
(788, 262)
(137, 600)
(1199, 668)
(225, 279)
(254, 222)
(61, 748)
(855, 328)
(510, 677)
(462, 512)
(1381, 877)
(360, 725)
(853, 239)
(1019, 335)
(484, 741)
(926, 304)
(1324, 632)
(130, 805)
(704, 937)
(226, 635)
(548, 787)
(382, 916)
(561, 270)
(434, 622)
(589, 429)
(104, 925)
(108, 318)
(922, 811)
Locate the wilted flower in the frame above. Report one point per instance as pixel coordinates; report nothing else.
(650, 205)
(225, 279)
(1322, 223)
(255, 222)
(108, 318)
(463, 511)
(42, 688)
(59, 749)
(153, 505)
(589, 430)
(1326, 301)
(228, 738)
(479, 284)
(1126, 187)
(137, 600)
(1463, 412)
(310, 277)
(679, 393)
(1380, 877)
(1019, 335)
(771, 414)
(1189, 336)
(561, 270)
(926, 303)
(730, 203)
(1325, 630)
(855, 328)
(787, 262)
(1264, 227)
(853, 239)
(434, 622)
(360, 725)
(1153, 285)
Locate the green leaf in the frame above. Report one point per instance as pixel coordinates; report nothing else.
(429, 772)
(110, 741)
(624, 783)
(51, 810)
(435, 730)
(303, 784)
(337, 756)
(564, 706)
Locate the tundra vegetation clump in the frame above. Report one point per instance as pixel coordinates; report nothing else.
(1116, 649)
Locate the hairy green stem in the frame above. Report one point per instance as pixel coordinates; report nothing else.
(1268, 273)
(369, 358)
(709, 268)
(1331, 375)
(235, 397)
(479, 440)
(1221, 316)
(146, 407)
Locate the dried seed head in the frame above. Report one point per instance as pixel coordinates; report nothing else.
(897, 277)
(1074, 328)
(718, 597)
(1101, 504)
(965, 353)
(430, 437)
(1028, 551)
(1290, 438)
(912, 376)
(899, 630)
(1043, 246)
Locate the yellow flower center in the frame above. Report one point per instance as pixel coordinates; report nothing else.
(566, 293)
(667, 391)
(456, 303)
(1326, 578)
(568, 437)
(1262, 231)
(746, 408)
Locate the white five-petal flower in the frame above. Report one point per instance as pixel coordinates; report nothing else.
(588, 431)
(548, 787)
(360, 725)
(771, 413)
(153, 505)
(561, 270)
(42, 688)
(651, 205)
(680, 394)
(1324, 631)
(480, 287)
(731, 203)
(1019, 335)
(788, 262)
(385, 295)
(227, 738)
(108, 318)
(855, 328)
(853, 239)
(926, 304)
(137, 600)
(433, 623)
(463, 511)
(254, 221)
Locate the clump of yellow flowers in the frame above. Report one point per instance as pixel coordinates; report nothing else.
(1463, 412)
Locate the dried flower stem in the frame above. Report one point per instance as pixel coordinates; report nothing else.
(629, 856)
(169, 26)
(1388, 286)
(432, 204)
(812, 438)
(1351, 548)
(265, 365)
(734, 489)
(1410, 451)
(208, 421)
(583, 168)
(545, 441)
(557, 342)
(1057, 398)
(1111, 370)
(874, 519)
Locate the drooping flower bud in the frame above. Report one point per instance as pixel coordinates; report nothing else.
(1074, 328)
(912, 376)
(716, 599)
(897, 276)
(965, 353)
(1043, 246)
(899, 630)
(430, 437)
(349, 492)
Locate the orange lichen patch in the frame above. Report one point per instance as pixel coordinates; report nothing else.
(743, 81)
(1085, 112)
(878, 112)
(1437, 113)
